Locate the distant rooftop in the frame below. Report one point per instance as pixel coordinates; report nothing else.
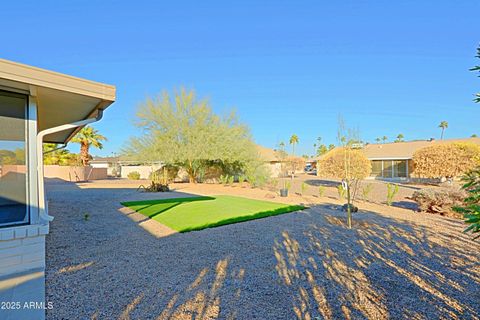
(405, 150)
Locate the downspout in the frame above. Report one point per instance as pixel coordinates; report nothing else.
(43, 210)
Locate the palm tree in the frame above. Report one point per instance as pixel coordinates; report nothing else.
(443, 125)
(87, 137)
(378, 140)
(384, 139)
(293, 141)
(400, 138)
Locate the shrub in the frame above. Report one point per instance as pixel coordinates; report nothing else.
(349, 165)
(304, 188)
(223, 179)
(230, 180)
(341, 192)
(274, 184)
(439, 200)
(332, 165)
(155, 187)
(134, 175)
(165, 175)
(257, 174)
(366, 191)
(321, 191)
(241, 179)
(445, 160)
(392, 190)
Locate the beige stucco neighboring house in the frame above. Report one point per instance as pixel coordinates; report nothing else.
(274, 161)
(395, 160)
(36, 106)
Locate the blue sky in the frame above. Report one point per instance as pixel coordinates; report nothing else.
(284, 66)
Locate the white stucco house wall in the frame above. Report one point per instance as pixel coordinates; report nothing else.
(36, 106)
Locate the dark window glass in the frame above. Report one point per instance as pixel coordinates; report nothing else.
(376, 168)
(387, 168)
(13, 170)
(400, 168)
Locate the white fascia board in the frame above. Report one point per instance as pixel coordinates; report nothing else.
(26, 74)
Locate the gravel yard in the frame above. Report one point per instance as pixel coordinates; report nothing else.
(394, 264)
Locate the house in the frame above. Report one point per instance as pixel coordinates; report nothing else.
(36, 106)
(395, 160)
(274, 160)
(109, 163)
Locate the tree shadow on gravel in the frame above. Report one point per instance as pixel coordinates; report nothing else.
(378, 270)
(298, 265)
(409, 205)
(320, 182)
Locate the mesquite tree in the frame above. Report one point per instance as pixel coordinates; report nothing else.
(183, 130)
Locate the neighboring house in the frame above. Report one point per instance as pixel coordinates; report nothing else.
(36, 106)
(109, 163)
(395, 160)
(270, 157)
(274, 161)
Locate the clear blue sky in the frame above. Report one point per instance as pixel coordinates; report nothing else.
(285, 66)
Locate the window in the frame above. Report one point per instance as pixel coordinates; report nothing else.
(387, 169)
(400, 168)
(13, 160)
(377, 168)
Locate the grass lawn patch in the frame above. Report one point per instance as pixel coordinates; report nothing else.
(197, 213)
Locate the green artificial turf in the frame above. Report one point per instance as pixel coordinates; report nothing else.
(197, 213)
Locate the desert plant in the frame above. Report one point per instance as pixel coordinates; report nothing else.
(155, 187)
(439, 200)
(258, 174)
(252, 181)
(304, 188)
(287, 184)
(241, 180)
(366, 190)
(471, 204)
(392, 190)
(165, 175)
(341, 192)
(274, 184)
(321, 191)
(134, 175)
(223, 179)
